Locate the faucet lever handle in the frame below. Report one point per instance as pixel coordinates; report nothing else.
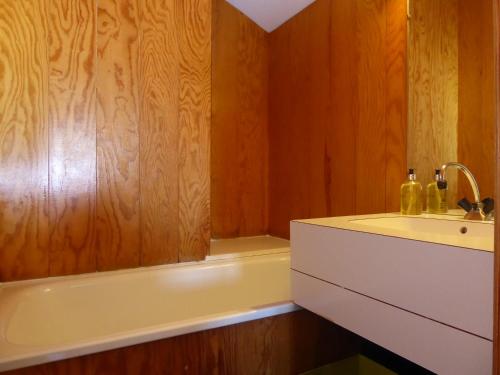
(488, 205)
(465, 204)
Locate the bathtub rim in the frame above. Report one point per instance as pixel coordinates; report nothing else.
(125, 271)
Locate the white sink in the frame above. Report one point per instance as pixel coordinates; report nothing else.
(439, 229)
(443, 226)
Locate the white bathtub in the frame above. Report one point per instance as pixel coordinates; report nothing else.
(57, 318)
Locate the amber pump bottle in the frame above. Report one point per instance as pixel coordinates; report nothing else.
(411, 195)
(436, 198)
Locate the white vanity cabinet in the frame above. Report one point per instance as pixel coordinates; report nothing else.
(430, 302)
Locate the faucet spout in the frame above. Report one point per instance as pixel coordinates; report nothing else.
(476, 212)
(467, 173)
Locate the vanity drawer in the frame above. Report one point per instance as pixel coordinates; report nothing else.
(437, 347)
(448, 284)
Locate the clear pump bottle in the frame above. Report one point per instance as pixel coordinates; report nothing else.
(411, 195)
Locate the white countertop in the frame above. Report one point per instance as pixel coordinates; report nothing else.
(450, 234)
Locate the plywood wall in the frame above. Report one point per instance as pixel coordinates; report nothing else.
(433, 87)
(476, 94)
(451, 88)
(239, 138)
(104, 134)
(337, 111)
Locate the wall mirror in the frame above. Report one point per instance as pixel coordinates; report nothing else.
(451, 91)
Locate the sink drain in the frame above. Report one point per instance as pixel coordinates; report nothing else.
(463, 230)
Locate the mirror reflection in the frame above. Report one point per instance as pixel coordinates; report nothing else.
(451, 96)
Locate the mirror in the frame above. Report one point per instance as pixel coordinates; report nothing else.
(451, 92)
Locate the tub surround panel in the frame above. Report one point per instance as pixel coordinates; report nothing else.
(334, 148)
(105, 133)
(239, 137)
(118, 104)
(285, 344)
(316, 86)
(24, 126)
(72, 136)
(159, 136)
(194, 25)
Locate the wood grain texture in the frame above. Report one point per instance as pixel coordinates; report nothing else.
(476, 95)
(175, 68)
(239, 136)
(332, 97)
(159, 132)
(105, 134)
(396, 102)
(23, 140)
(194, 25)
(451, 91)
(288, 146)
(72, 153)
(301, 160)
(433, 88)
(118, 241)
(371, 38)
(284, 344)
(342, 133)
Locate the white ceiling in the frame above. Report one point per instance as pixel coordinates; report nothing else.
(269, 14)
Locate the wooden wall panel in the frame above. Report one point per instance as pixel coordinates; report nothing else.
(315, 59)
(284, 344)
(159, 132)
(342, 132)
(433, 88)
(195, 32)
(239, 137)
(452, 91)
(330, 100)
(175, 63)
(118, 241)
(23, 140)
(396, 101)
(476, 94)
(105, 134)
(371, 41)
(300, 106)
(72, 136)
(288, 145)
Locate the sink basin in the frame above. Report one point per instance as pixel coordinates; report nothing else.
(447, 227)
(438, 229)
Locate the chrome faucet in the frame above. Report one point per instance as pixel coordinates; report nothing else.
(476, 212)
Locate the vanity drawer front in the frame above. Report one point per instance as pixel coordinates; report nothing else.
(449, 284)
(435, 346)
